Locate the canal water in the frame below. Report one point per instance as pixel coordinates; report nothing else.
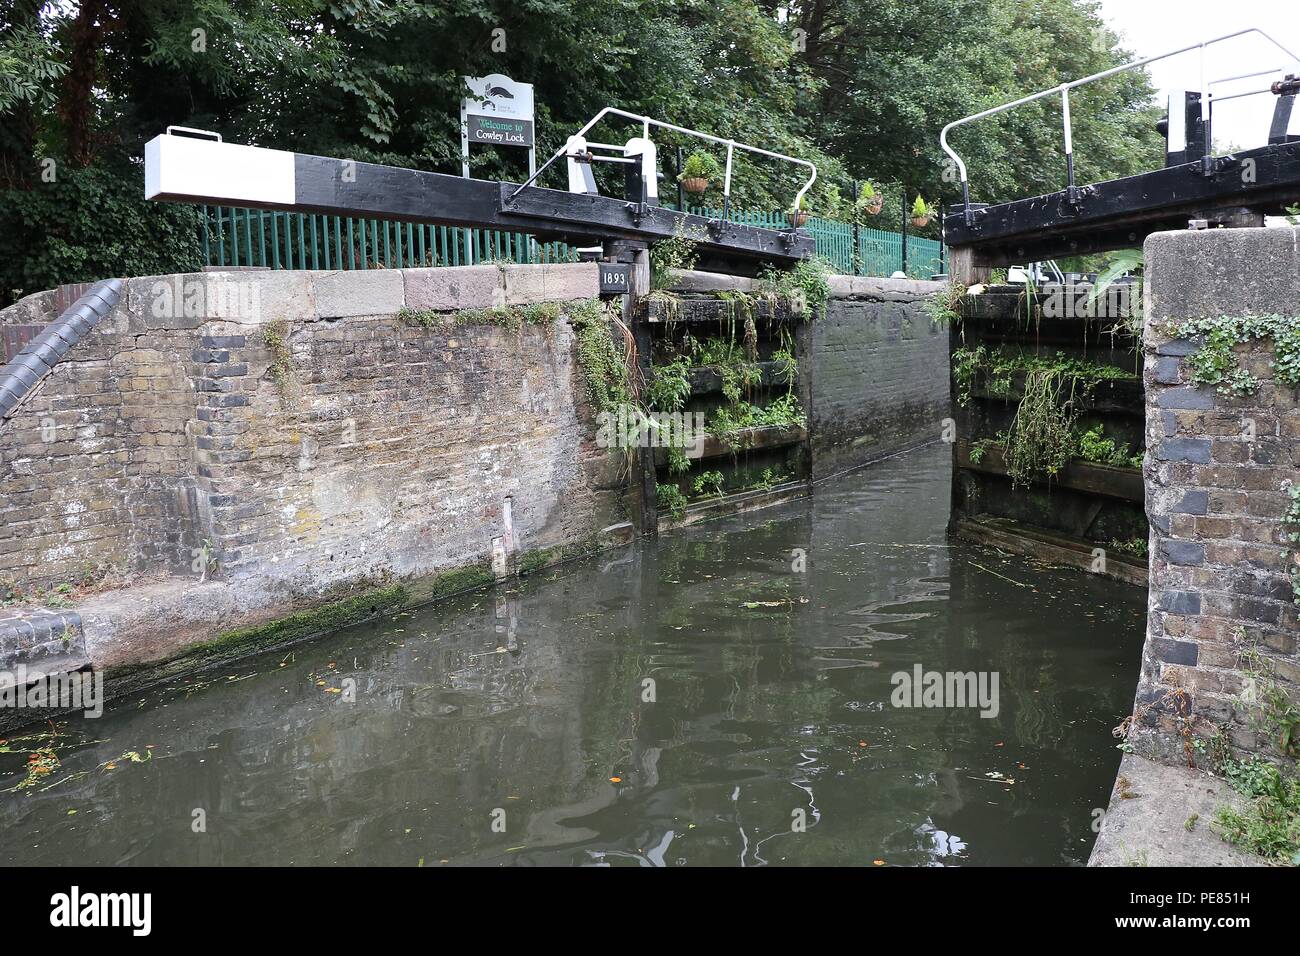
(721, 696)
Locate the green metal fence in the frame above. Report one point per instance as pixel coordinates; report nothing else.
(874, 253)
(294, 240)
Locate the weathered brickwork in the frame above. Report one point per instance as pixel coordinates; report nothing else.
(879, 369)
(289, 427)
(1217, 468)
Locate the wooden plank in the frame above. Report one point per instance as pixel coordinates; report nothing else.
(1125, 484)
(1055, 549)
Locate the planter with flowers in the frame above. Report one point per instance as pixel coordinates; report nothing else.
(870, 199)
(697, 172)
(922, 213)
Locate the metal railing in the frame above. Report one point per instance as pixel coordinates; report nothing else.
(646, 122)
(235, 238)
(292, 240)
(1064, 91)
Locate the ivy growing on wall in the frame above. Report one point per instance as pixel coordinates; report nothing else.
(604, 366)
(1215, 361)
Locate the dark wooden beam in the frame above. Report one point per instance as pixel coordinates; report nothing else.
(1121, 213)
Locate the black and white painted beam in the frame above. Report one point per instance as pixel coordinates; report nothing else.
(182, 168)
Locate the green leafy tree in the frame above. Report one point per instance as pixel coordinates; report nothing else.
(860, 87)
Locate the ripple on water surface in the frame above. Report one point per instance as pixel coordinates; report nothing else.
(771, 708)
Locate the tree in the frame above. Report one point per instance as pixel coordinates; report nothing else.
(890, 74)
(861, 87)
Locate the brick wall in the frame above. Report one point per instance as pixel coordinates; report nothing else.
(879, 369)
(1216, 469)
(363, 447)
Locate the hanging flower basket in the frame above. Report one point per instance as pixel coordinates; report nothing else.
(797, 219)
(875, 206)
(922, 213)
(698, 170)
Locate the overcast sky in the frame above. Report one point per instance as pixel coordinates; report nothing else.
(1151, 27)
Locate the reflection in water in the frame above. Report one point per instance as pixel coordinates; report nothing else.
(694, 701)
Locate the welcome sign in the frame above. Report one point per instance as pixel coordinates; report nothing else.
(498, 111)
(498, 132)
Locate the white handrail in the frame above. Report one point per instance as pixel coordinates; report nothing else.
(646, 122)
(1064, 90)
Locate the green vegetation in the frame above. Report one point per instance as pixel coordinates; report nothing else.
(1137, 547)
(1118, 265)
(1269, 825)
(731, 361)
(1215, 362)
(804, 287)
(376, 82)
(869, 198)
(700, 165)
(740, 305)
(783, 412)
(679, 463)
(1041, 439)
(670, 255)
(275, 336)
(945, 307)
(604, 367)
(1044, 435)
(708, 484)
(512, 317)
(1271, 710)
(787, 366)
(422, 318)
(999, 367)
(531, 562)
(670, 387)
(1095, 447)
(294, 627)
(670, 497)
